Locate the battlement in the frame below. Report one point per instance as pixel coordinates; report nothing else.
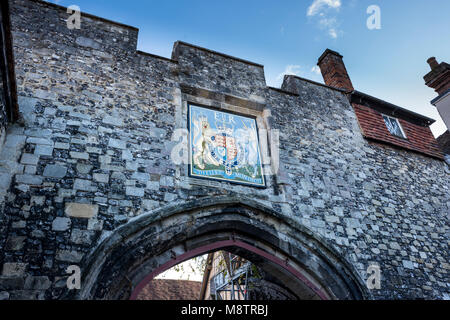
(42, 26)
(45, 24)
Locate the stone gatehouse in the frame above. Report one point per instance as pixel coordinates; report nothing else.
(88, 176)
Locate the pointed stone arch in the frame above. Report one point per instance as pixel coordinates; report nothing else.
(133, 253)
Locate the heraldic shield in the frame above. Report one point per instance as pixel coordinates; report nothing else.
(224, 146)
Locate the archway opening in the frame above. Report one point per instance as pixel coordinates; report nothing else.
(232, 270)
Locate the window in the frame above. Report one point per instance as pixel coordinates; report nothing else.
(394, 126)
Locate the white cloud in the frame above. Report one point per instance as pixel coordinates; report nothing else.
(319, 5)
(315, 70)
(324, 12)
(327, 22)
(308, 72)
(333, 33)
(291, 69)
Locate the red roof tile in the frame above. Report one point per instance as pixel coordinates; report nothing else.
(418, 138)
(162, 289)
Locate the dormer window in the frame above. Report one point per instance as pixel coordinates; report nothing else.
(394, 126)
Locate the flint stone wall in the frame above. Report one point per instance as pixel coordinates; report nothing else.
(97, 143)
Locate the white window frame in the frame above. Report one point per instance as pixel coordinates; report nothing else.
(399, 125)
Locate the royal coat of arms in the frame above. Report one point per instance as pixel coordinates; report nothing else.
(224, 146)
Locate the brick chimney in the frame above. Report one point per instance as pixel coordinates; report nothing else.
(433, 63)
(439, 76)
(333, 70)
(439, 79)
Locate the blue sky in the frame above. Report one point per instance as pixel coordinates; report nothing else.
(288, 36)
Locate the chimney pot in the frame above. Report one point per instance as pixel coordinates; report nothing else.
(433, 63)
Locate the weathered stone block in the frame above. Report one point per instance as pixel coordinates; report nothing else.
(9, 283)
(408, 264)
(61, 145)
(103, 178)
(69, 256)
(84, 168)
(43, 150)
(15, 243)
(4, 295)
(13, 140)
(29, 179)
(118, 144)
(27, 295)
(81, 237)
(40, 141)
(44, 94)
(317, 203)
(29, 159)
(61, 224)
(332, 219)
(135, 192)
(95, 224)
(149, 204)
(37, 200)
(94, 150)
(30, 170)
(5, 180)
(115, 121)
(37, 283)
(38, 132)
(79, 155)
(86, 42)
(55, 171)
(81, 210)
(14, 269)
(127, 155)
(169, 197)
(49, 111)
(166, 181)
(83, 185)
(140, 176)
(27, 107)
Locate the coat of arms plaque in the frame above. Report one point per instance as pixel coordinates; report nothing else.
(224, 146)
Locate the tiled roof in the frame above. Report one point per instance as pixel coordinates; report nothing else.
(418, 138)
(163, 289)
(390, 109)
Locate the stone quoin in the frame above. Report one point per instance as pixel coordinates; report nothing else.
(87, 176)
